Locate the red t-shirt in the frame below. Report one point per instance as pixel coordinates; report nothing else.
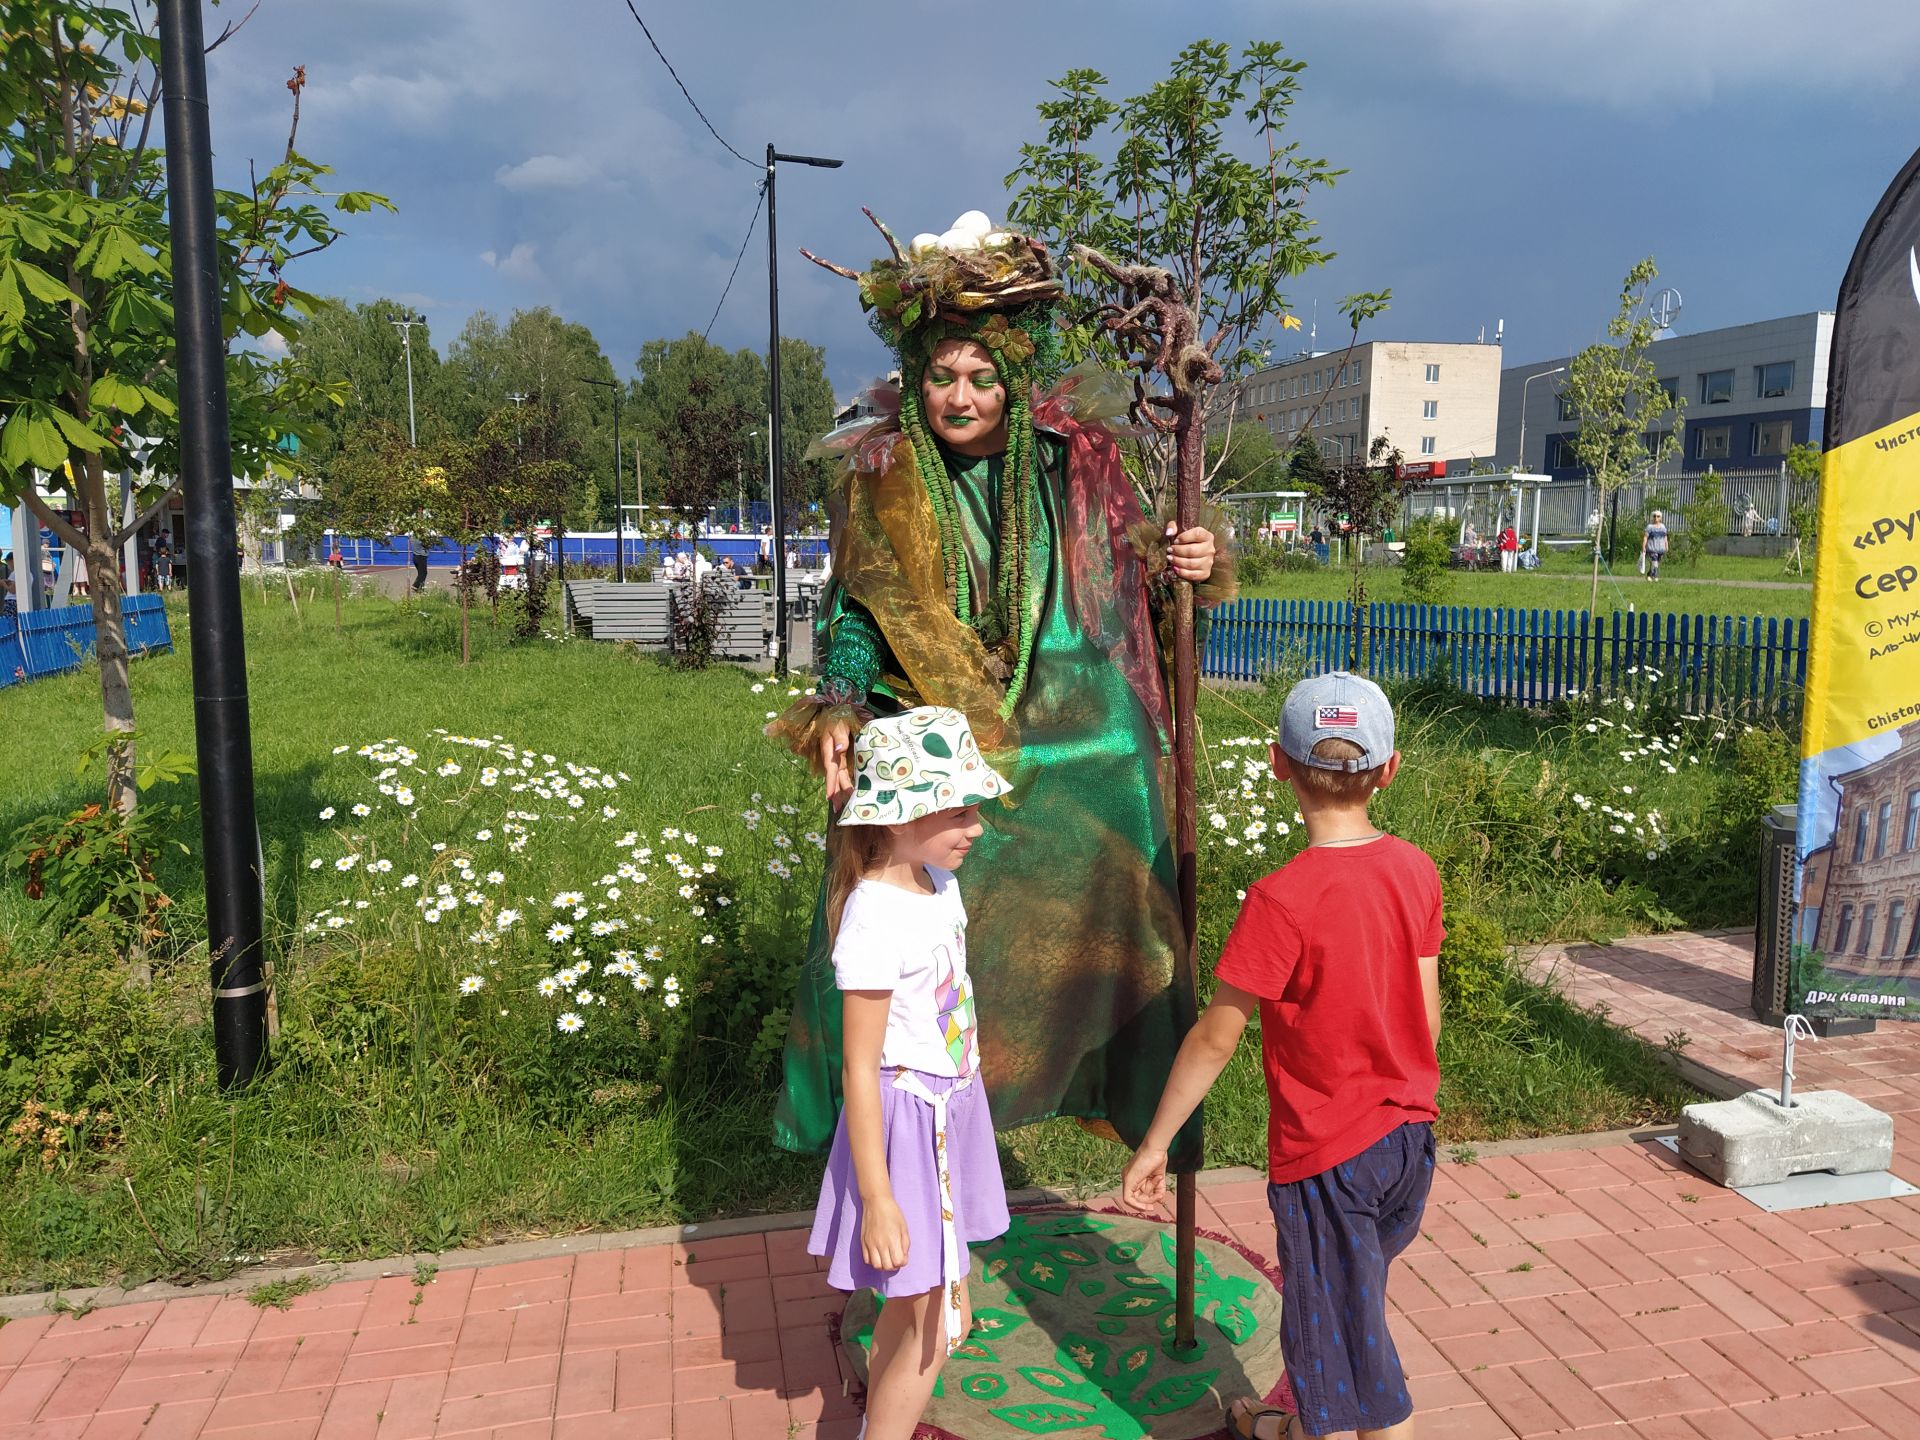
(1330, 943)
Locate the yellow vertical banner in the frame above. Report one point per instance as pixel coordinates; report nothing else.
(1857, 927)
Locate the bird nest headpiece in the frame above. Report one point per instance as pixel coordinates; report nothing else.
(997, 288)
(971, 283)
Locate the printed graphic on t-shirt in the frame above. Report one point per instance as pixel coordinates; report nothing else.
(954, 997)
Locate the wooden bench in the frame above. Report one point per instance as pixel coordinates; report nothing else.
(579, 598)
(745, 627)
(638, 612)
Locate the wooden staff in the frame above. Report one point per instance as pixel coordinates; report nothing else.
(1159, 331)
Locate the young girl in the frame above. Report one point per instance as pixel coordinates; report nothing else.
(913, 1177)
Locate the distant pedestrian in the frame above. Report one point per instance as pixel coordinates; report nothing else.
(163, 560)
(1653, 545)
(417, 547)
(1509, 550)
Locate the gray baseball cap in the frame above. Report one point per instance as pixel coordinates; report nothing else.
(1337, 706)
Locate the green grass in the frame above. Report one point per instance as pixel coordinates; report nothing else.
(388, 1126)
(1563, 583)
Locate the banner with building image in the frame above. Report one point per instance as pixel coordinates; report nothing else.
(1857, 927)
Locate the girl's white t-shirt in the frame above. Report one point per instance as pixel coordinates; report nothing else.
(916, 946)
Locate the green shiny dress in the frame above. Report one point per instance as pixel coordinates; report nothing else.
(1073, 914)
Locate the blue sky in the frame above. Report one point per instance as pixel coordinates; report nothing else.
(1509, 159)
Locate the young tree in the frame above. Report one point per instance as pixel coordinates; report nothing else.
(1361, 497)
(1702, 518)
(87, 374)
(1157, 180)
(1244, 457)
(1629, 423)
(1803, 503)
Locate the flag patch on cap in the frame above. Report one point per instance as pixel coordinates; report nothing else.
(1336, 717)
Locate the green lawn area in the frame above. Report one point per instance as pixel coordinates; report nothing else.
(402, 1114)
(1711, 585)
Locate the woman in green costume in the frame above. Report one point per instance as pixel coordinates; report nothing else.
(989, 553)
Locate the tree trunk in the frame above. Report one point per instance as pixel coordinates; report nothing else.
(110, 635)
(466, 600)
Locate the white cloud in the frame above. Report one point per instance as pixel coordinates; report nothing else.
(273, 345)
(517, 264)
(547, 172)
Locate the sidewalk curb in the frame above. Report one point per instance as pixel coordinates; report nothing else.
(21, 1306)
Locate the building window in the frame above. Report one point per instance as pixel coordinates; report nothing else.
(1910, 834)
(1563, 407)
(1670, 384)
(1430, 410)
(1560, 455)
(1846, 929)
(1896, 913)
(1771, 437)
(1913, 939)
(1880, 830)
(1433, 374)
(1426, 444)
(1861, 821)
(1866, 928)
(1773, 380)
(1716, 387)
(1712, 442)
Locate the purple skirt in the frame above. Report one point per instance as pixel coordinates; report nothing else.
(907, 1130)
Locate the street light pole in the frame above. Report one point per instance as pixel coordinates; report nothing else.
(222, 731)
(1520, 463)
(619, 512)
(404, 324)
(779, 544)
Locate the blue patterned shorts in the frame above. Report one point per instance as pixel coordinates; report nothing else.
(1337, 1233)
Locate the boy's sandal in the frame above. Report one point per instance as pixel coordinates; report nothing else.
(1245, 1419)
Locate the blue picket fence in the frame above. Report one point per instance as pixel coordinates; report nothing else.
(581, 547)
(45, 642)
(1524, 657)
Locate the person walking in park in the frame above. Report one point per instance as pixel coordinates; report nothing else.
(1339, 951)
(990, 555)
(1509, 550)
(163, 560)
(1653, 546)
(913, 1177)
(417, 548)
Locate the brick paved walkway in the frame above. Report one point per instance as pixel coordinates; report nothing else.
(1592, 1290)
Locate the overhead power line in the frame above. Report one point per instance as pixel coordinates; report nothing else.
(736, 261)
(683, 89)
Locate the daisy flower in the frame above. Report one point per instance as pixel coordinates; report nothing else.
(548, 986)
(473, 984)
(672, 999)
(559, 933)
(569, 1024)
(362, 810)
(327, 814)
(567, 899)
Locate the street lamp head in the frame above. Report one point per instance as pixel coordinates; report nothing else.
(817, 161)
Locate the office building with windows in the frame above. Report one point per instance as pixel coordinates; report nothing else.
(1752, 393)
(1436, 402)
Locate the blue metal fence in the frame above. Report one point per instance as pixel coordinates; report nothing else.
(1526, 657)
(45, 642)
(595, 547)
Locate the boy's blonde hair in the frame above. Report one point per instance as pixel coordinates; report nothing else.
(1338, 787)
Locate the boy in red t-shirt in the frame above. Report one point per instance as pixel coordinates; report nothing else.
(1339, 948)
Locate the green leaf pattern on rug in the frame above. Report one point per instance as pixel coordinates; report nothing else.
(1043, 1252)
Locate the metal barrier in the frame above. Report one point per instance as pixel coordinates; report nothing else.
(46, 642)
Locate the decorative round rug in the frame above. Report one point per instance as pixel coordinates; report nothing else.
(1073, 1334)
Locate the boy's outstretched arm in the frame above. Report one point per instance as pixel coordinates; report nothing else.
(1203, 1055)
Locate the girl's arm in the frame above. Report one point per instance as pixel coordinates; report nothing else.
(1430, 992)
(883, 1229)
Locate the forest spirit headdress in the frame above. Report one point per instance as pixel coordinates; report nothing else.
(1000, 289)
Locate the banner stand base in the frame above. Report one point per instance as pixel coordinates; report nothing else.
(1826, 1027)
(1754, 1140)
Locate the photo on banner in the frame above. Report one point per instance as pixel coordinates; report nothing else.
(1857, 924)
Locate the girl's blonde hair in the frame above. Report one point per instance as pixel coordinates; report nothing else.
(853, 853)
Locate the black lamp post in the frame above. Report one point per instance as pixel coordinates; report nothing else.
(619, 511)
(773, 397)
(222, 731)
